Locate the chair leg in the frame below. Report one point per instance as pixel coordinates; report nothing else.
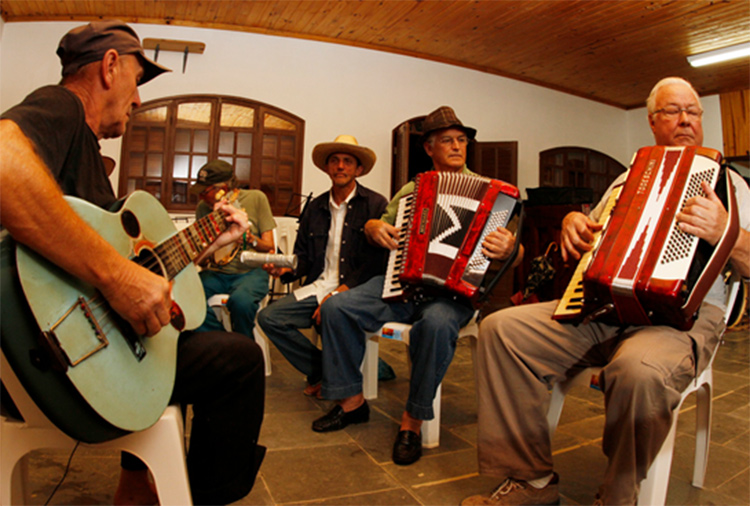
(370, 367)
(702, 433)
(157, 446)
(431, 428)
(262, 341)
(654, 487)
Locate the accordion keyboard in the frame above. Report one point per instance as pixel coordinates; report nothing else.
(392, 287)
(571, 302)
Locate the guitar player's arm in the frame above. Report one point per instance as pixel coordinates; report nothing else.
(33, 210)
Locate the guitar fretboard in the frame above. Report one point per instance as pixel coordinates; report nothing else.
(186, 245)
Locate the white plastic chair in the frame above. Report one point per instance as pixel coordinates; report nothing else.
(400, 332)
(161, 447)
(654, 486)
(218, 303)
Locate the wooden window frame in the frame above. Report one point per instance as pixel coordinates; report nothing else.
(282, 189)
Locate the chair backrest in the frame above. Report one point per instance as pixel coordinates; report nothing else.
(287, 233)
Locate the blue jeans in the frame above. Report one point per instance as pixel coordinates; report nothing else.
(245, 291)
(346, 317)
(281, 321)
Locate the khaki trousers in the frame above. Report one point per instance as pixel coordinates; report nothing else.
(522, 352)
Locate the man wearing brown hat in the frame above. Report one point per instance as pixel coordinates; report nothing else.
(49, 146)
(224, 272)
(332, 254)
(435, 321)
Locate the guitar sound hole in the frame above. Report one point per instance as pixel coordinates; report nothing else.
(148, 259)
(130, 224)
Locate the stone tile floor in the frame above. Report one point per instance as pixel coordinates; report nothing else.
(353, 467)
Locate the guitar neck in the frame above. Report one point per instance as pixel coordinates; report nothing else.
(185, 246)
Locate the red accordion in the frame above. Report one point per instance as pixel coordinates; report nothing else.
(644, 270)
(442, 225)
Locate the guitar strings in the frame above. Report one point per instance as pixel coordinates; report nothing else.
(97, 301)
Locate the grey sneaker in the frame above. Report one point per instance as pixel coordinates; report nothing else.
(518, 492)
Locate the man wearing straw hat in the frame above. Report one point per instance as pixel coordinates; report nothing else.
(332, 254)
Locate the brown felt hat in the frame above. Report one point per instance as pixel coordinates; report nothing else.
(344, 144)
(444, 117)
(88, 43)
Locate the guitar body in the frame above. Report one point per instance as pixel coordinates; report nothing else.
(126, 380)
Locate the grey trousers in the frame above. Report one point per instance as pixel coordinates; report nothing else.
(522, 352)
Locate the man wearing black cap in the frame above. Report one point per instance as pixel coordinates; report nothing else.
(224, 272)
(333, 254)
(49, 143)
(435, 321)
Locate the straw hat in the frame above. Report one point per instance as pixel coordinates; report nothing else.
(344, 144)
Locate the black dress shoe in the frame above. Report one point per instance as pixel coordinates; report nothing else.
(337, 418)
(408, 448)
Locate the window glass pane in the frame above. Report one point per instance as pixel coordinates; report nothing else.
(138, 139)
(135, 165)
(233, 115)
(244, 143)
(153, 115)
(198, 162)
(194, 113)
(179, 192)
(200, 141)
(181, 166)
(226, 142)
(182, 140)
(242, 169)
(153, 165)
(271, 121)
(227, 159)
(154, 188)
(156, 139)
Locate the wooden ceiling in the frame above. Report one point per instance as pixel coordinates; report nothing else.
(609, 51)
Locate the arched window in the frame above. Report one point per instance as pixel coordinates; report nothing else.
(169, 139)
(578, 167)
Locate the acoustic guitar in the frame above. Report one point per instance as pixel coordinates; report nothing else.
(83, 365)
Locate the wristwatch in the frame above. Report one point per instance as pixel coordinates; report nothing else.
(255, 242)
(335, 292)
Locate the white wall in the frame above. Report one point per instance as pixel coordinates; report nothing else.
(340, 89)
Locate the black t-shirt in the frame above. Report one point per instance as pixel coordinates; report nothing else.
(53, 119)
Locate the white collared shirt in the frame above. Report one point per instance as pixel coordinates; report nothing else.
(329, 278)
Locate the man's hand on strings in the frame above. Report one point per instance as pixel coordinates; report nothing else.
(141, 297)
(238, 223)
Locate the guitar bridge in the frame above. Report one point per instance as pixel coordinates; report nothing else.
(82, 317)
